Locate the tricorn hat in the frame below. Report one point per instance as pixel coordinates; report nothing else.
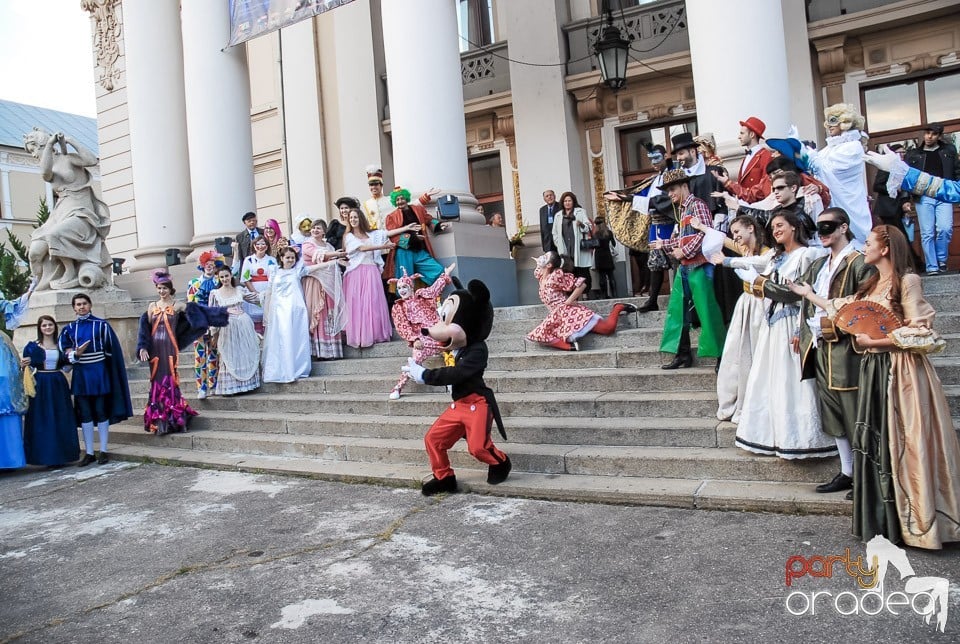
(682, 141)
(349, 202)
(673, 177)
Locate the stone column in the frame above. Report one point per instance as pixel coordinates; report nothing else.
(303, 120)
(7, 207)
(218, 114)
(425, 88)
(158, 129)
(753, 39)
(549, 154)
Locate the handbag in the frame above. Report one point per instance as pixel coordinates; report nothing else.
(588, 243)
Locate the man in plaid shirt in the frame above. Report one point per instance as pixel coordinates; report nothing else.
(693, 285)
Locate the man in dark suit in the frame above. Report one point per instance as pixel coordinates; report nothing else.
(547, 211)
(250, 232)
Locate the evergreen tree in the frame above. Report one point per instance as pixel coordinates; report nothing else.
(14, 263)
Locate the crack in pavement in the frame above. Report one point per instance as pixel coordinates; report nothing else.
(71, 483)
(375, 539)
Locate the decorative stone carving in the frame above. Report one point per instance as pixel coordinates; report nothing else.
(106, 38)
(516, 198)
(68, 250)
(599, 184)
(590, 106)
(832, 64)
(504, 127)
(656, 24)
(477, 68)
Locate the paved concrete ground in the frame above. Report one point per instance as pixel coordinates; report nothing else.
(146, 553)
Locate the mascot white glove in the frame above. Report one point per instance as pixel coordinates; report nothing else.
(748, 275)
(415, 370)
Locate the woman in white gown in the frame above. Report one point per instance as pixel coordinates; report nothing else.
(780, 414)
(286, 337)
(238, 345)
(749, 315)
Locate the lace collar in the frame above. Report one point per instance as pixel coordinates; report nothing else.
(845, 137)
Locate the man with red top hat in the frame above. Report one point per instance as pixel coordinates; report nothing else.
(752, 183)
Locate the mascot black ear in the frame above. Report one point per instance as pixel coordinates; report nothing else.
(483, 310)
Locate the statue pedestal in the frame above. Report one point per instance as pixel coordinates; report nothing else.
(481, 252)
(111, 303)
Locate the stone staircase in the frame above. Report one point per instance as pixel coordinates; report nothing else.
(603, 424)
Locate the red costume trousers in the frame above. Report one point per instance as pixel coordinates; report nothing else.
(469, 418)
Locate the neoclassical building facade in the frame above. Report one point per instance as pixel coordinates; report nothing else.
(492, 100)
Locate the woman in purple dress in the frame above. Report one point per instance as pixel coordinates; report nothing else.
(164, 328)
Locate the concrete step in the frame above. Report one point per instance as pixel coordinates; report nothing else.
(537, 359)
(498, 344)
(560, 380)
(664, 432)
(593, 460)
(935, 284)
(617, 404)
(754, 496)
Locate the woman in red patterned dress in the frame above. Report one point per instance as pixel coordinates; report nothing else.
(568, 320)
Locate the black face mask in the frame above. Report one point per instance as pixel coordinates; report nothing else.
(825, 228)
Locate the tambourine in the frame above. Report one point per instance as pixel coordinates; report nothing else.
(864, 316)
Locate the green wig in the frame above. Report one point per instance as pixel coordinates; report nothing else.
(399, 192)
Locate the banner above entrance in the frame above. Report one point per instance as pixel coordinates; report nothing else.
(252, 18)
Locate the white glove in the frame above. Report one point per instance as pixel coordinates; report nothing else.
(748, 275)
(415, 370)
(885, 160)
(793, 133)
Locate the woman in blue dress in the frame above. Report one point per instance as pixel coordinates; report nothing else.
(13, 399)
(50, 427)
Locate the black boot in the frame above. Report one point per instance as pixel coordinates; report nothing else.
(498, 473)
(436, 486)
(611, 286)
(684, 357)
(656, 283)
(680, 361)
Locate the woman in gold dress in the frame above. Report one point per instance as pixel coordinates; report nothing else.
(906, 483)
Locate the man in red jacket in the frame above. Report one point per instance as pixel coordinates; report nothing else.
(752, 183)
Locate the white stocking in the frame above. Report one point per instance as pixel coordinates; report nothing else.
(846, 456)
(103, 428)
(87, 436)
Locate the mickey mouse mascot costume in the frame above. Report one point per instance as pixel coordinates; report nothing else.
(466, 318)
